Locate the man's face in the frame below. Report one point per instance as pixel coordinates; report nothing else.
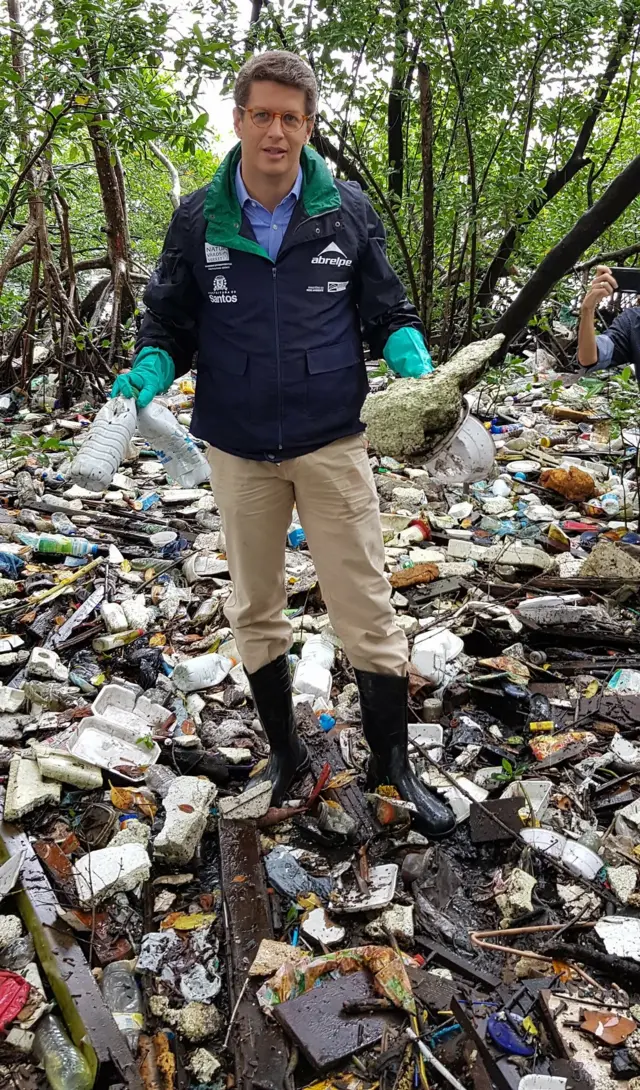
(273, 151)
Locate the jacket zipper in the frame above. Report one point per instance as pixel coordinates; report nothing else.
(275, 310)
(274, 277)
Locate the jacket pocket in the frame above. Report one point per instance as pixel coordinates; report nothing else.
(333, 377)
(332, 357)
(232, 360)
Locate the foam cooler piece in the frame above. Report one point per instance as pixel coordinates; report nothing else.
(187, 808)
(100, 874)
(27, 790)
(408, 410)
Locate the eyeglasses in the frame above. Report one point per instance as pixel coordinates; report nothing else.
(262, 119)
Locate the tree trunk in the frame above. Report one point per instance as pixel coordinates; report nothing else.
(558, 179)
(117, 243)
(396, 103)
(426, 128)
(560, 260)
(18, 64)
(14, 248)
(250, 40)
(111, 183)
(28, 337)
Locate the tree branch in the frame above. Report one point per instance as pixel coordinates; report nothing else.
(396, 102)
(426, 129)
(10, 261)
(561, 258)
(472, 230)
(595, 174)
(174, 192)
(558, 179)
(324, 147)
(355, 153)
(608, 258)
(31, 161)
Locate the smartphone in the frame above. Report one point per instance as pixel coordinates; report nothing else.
(627, 279)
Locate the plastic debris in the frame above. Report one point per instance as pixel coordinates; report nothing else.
(130, 743)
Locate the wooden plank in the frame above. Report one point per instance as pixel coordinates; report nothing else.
(463, 966)
(88, 1019)
(260, 1050)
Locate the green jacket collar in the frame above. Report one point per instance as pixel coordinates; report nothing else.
(223, 213)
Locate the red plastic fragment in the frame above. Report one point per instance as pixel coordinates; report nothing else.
(14, 991)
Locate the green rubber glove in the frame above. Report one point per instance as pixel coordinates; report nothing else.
(407, 354)
(152, 373)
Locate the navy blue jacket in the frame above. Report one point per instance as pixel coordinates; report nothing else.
(279, 344)
(620, 343)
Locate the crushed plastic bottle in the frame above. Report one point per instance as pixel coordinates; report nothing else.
(124, 999)
(23, 484)
(177, 451)
(610, 503)
(97, 461)
(115, 640)
(64, 1064)
(201, 672)
(313, 673)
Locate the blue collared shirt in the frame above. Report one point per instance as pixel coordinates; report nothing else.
(268, 227)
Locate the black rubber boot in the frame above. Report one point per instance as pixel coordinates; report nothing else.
(385, 713)
(288, 759)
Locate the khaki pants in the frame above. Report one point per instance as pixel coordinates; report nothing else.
(337, 502)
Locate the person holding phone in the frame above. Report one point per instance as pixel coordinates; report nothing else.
(620, 344)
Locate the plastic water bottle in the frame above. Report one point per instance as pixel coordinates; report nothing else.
(506, 429)
(124, 999)
(97, 461)
(295, 534)
(57, 543)
(175, 448)
(64, 1064)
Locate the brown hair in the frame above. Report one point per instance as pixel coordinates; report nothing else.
(279, 66)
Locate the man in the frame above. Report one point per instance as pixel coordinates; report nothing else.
(270, 273)
(621, 342)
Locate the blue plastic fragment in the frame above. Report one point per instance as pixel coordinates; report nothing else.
(506, 1037)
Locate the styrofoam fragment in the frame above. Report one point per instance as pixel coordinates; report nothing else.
(100, 874)
(26, 789)
(183, 828)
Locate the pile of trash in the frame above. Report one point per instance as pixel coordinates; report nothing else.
(163, 926)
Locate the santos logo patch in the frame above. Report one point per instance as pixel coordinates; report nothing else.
(332, 255)
(221, 292)
(216, 255)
